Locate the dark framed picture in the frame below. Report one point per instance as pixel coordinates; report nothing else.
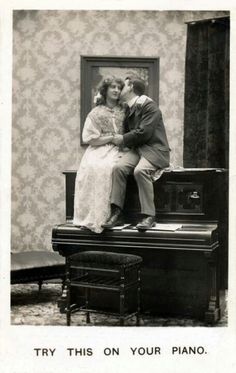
(95, 68)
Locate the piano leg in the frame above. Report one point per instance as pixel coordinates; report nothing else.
(212, 314)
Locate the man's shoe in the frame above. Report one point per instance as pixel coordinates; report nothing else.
(115, 219)
(146, 223)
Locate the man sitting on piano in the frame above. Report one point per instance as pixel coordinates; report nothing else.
(145, 136)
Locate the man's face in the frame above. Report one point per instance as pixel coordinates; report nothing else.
(125, 93)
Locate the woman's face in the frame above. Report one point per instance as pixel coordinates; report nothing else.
(113, 91)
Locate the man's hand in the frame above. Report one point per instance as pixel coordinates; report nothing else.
(117, 140)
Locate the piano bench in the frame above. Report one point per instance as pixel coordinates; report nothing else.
(36, 266)
(94, 272)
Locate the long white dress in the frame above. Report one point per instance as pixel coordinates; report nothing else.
(94, 176)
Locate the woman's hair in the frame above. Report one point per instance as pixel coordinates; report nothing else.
(100, 98)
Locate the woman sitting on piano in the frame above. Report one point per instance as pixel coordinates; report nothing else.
(94, 176)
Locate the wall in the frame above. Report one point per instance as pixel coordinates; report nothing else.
(46, 99)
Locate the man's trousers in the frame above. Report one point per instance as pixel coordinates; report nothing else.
(131, 162)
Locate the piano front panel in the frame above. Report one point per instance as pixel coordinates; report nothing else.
(185, 195)
(189, 198)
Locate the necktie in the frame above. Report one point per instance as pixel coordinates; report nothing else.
(127, 111)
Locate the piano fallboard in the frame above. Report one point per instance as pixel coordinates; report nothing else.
(202, 237)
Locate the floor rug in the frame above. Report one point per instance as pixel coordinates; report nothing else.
(32, 307)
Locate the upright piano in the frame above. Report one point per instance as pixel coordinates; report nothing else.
(184, 270)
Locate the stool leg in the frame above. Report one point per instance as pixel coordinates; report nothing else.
(87, 293)
(138, 298)
(68, 311)
(40, 282)
(122, 297)
(68, 295)
(63, 284)
(122, 301)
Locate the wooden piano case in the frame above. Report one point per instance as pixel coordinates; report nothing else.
(184, 271)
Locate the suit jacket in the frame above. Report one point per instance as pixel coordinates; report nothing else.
(145, 132)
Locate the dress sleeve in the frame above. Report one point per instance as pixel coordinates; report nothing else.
(90, 131)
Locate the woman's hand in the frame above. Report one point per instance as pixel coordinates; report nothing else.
(102, 140)
(117, 140)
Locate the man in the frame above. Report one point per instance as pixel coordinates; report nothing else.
(145, 136)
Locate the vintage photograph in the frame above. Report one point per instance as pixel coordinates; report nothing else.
(120, 160)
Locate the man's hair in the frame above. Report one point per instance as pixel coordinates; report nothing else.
(138, 84)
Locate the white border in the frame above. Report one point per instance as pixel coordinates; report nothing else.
(16, 342)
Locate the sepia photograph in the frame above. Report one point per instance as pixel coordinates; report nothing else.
(119, 189)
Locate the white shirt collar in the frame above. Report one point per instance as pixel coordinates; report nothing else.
(132, 101)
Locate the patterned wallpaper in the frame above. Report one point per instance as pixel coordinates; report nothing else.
(46, 99)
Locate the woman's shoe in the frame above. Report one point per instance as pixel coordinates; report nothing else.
(116, 218)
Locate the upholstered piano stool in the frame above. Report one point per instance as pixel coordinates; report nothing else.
(104, 272)
(36, 266)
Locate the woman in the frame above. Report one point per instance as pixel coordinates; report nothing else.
(94, 177)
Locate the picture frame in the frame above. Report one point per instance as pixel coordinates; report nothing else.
(95, 68)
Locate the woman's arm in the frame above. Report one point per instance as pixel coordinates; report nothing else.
(92, 134)
(102, 140)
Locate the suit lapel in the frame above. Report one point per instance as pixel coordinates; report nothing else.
(137, 106)
(132, 121)
(132, 110)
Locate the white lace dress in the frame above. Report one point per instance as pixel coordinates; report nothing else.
(94, 176)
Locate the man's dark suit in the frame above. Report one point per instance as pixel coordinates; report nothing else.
(146, 138)
(144, 130)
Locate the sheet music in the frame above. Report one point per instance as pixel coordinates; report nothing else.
(166, 227)
(120, 227)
